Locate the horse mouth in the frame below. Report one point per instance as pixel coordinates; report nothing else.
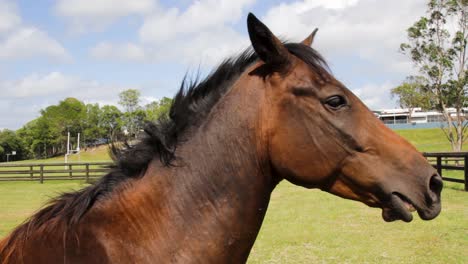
(398, 208)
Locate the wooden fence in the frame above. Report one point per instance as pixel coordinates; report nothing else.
(450, 161)
(93, 170)
(53, 171)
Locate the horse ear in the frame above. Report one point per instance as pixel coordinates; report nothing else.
(267, 46)
(310, 39)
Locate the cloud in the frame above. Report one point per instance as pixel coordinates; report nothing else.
(57, 85)
(28, 42)
(9, 17)
(18, 41)
(25, 97)
(376, 96)
(190, 36)
(19, 113)
(201, 16)
(119, 52)
(370, 29)
(96, 15)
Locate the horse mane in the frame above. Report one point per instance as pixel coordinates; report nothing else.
(191, 104)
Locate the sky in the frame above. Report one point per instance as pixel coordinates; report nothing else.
(94, 49)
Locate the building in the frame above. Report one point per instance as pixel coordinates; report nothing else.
(402, 118)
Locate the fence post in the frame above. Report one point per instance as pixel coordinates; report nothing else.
(70, 171)
(87, 172)
(466, 172)
(439, 165)
(41, 178)
(31, 174)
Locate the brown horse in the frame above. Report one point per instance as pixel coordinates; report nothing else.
(196, 188)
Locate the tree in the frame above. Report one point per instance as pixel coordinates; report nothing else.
(59, 119)
(412, 93)
(92, 125)
(43, 138)
(111, 121)
(134, 121)
(9, 142)
(442, 60)
(156, 109)
(27, 135)
(129, 100)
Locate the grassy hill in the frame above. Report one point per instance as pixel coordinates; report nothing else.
(428, 140)
(97, 154)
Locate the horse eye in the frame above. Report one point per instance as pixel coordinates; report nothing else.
(335, 101)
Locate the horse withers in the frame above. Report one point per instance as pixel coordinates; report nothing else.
(195, 189)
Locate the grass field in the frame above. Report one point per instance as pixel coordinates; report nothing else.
(310, 226)
(18, 200)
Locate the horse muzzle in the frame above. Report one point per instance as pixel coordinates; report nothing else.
(400, 206)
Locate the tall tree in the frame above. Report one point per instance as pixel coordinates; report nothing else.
(111, 121)
(27, 134)
(49, 131)
(412, 93)
(156, 109)
(92, 124)
(129, 100)
(440, 55)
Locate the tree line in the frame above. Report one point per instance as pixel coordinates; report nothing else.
(437, 47)
(46, 136)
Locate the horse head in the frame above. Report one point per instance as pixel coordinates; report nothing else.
(320, 135)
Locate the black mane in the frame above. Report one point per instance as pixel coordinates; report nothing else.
(191, 104)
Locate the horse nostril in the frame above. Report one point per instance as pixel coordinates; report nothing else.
(435, 184)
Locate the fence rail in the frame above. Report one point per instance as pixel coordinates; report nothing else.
(450, 161)
(53, 171)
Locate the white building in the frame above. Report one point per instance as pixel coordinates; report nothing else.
(417, 116)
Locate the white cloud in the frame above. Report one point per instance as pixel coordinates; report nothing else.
(96, 15)
(9, 17)
(56, 85)
(18, 41)
(376, 96)
(202, 33)
(119, 52)
(190, 36)
(30, 42)
(373, 29)
(199, 17)
(35, 85)
(208, 47)
(369, 29)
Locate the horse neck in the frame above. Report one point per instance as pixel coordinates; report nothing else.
(215, 197)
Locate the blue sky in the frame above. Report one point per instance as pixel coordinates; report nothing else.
(93, 49)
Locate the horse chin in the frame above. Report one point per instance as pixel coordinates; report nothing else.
(398, 208)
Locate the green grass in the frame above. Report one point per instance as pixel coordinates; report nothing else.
(310, 226)
(18, 200)
(428, 140)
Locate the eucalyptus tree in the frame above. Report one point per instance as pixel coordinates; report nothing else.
(437, 46)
